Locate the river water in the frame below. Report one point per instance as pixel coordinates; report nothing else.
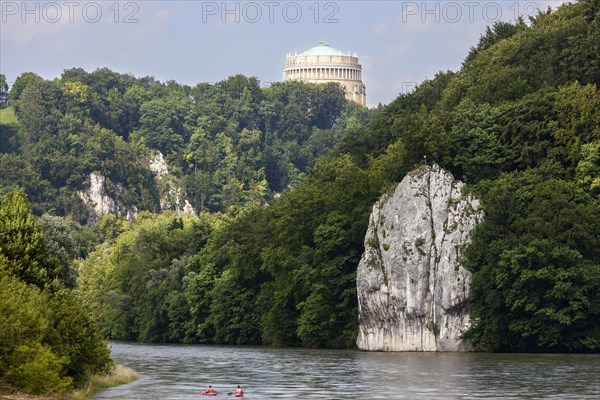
(181, 372)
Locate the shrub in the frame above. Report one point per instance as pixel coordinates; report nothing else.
(36, 369)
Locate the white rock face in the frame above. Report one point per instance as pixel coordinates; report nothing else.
(158, 165)
(171, 197)
(100, 203)
(412, 293)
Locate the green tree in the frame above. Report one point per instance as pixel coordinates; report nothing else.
(478, 153)
(577, 118)
(588, 169)
(26, 360)
(40, 106)
(47, 342)
(22, 81)
(536, 267)
(60, 244)
(22, 242)
(130, 286)
(163, 124)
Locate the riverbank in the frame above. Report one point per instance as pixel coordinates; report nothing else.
(120, 375)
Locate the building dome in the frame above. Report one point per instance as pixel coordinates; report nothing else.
(322, 49)
(323, 63)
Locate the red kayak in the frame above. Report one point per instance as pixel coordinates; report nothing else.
(208, 393)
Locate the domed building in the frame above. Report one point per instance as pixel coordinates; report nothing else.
(323, 63)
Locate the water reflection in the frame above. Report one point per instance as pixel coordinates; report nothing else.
(181, 372)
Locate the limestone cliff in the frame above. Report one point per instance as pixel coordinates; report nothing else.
(412, 293)
(171, 197)
(96, 197)
(101, 201)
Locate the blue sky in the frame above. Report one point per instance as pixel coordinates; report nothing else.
(399, 43)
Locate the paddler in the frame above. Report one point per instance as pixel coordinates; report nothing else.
(210, 390)
(239, 392)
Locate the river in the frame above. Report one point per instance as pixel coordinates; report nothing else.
(182, 371)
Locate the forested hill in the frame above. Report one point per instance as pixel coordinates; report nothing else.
(231, 143)
(519, 122)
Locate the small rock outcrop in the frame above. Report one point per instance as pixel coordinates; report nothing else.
(412, 293)
(100, 203)
(171, 197)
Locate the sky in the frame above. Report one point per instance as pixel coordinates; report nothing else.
(399, 43)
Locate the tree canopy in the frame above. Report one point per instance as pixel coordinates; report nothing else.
(283, 179)
(47, 341)
(515, 122)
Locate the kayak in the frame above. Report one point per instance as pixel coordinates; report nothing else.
(239, 395)
(208, 393)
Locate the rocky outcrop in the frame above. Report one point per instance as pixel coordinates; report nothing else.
(413, 295)
(171, 197)
(101, 201)
(96, 197)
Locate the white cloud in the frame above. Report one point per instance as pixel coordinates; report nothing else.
(381, 29)
(25, 23)
(22, 26)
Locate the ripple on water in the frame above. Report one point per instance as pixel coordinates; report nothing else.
(180, 372)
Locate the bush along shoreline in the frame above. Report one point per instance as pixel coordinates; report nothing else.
(119, 375)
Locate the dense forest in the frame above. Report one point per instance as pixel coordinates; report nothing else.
(228, 144)
(283, 180)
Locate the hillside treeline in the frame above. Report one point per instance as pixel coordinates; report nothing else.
(231, 143)
(519, 122)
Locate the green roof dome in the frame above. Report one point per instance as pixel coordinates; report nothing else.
(322, 49)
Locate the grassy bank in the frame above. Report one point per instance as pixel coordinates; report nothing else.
(8, 116)
(120, 375)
